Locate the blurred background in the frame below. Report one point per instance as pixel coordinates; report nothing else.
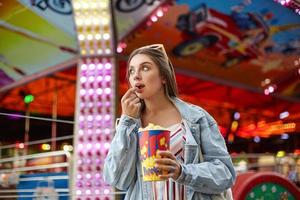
(62, 75)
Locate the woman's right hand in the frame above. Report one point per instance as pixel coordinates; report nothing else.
(131, 104)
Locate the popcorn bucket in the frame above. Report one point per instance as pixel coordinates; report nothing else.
(150, 142)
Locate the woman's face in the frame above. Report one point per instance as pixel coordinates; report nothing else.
(144, 75)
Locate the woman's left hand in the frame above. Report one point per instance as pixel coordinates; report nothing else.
(168, 164)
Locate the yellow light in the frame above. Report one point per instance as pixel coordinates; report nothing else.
(68, 147)
(280, 154)
(83, 51)
(234, 126)
(46, 147)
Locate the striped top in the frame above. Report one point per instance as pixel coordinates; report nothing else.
(170, 190)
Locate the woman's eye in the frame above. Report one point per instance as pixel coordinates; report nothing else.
(145, 68)
(131, 71)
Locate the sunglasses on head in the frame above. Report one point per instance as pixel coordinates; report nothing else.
(156, 46)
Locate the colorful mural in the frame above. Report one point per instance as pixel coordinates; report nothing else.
(36, 36)
(255, 43)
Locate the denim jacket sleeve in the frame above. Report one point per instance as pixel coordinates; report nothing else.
(216, 173)
(120, 163)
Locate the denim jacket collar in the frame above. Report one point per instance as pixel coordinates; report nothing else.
(188, 112)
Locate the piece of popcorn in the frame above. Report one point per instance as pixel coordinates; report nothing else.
(152, 127)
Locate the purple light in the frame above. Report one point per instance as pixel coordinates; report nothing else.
(92, 66)
(107, 117)
(90, 118)
(79, 176)
(107, 90)
(83, 79)
(89, 146)
(98, 145)
(99, 91)
(106, 145)
(108, 78)
(99, 78)
(100, 66)
(91, 91)
(88, 176)
(107, 131)
(108, 66)
(91, 79)
(83, 67)
(78, 192)
(82, 92)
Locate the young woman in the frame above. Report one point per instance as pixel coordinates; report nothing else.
(152, 98)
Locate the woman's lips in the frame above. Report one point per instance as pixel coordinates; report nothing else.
(140, 88)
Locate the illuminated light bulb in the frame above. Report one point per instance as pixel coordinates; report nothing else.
(79, 176)
(271, 89)
(92, 66)
(77, 5)
(98, 36)
(100, 51)
(99, 78)
(284, 115)
(266, 91)
(80, 132)
(100, 66)
(98, 145)
(88, 192)
(90, 118)
(107, 78)
(80, 146)
(78, 192)
(103, 5)
(83, 79)
(106, 36)
(83, 67)
(159, 13)
(83, 51)
(81, 37)
(107, 51)
(106, 145)
(89, 36)
(119, 49)
(108, 66)
(105, 21)
(107, 90)
(256, 139)
(236, 115)
(107, 131)
(149, 23)
(82, 92)
(99, 91)
(92, 52)
(87, 22)
(106, 191)
(91, 91)
(89, 146)
(88, 176)
(107, 117)
(154, 18)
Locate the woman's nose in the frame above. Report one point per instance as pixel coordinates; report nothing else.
(136, 76)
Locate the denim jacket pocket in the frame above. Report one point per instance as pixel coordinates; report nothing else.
(190, 153)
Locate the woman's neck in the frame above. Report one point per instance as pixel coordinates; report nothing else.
(157, 104)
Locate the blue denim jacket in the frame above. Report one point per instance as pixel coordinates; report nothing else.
(122, 167)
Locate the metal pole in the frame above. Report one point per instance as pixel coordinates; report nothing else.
(54, 118)
(27, 126)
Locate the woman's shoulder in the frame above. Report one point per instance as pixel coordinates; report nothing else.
(193, 112)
